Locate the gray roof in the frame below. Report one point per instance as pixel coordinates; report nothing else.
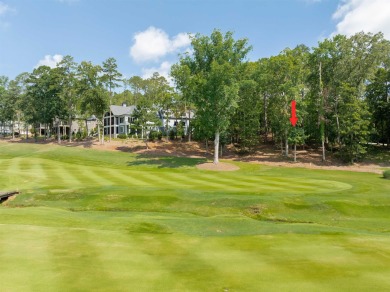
(170, 115)
(118, 110)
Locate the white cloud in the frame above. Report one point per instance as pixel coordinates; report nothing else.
(50, 61)
(4, 8)
(163, 70)
(154, 43)
(363, 15)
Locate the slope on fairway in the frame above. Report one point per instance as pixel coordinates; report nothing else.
(94, 220)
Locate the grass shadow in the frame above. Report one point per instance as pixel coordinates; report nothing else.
(165, 161)
(131, 148)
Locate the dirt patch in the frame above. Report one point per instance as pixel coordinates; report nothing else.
(221, 166)
(265, 154)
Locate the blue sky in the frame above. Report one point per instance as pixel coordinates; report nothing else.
(146, 35)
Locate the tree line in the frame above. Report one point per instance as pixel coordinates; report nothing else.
(341, 89)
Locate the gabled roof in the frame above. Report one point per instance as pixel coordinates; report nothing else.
(118, 110)
(170, 115)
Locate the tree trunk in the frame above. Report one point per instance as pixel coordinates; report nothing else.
(216, 147)
(13, 130)
(110, 120)
(337, 122)
(323, 148)
(103, 132)
(19, 131)
(98, 125)
(207, 146)
(295, 152)
(86, 127)
(338, 129)
(281, 146)
(286, 147)
(70, 128)
(167, 125)
(58, 133)
(189, 126)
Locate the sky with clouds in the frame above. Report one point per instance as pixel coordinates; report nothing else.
(146, 36)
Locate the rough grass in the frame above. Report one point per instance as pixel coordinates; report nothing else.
(110, 221)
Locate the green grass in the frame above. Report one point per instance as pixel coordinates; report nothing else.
(110, 221)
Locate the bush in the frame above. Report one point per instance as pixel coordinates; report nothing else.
(159, 136)
(386, 174)
(122, 136)
(352, 153)
(153, 135)
(172, 135)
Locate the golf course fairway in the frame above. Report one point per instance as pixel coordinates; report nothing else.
(90, 220)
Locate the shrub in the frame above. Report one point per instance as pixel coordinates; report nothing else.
(153, 135)
(159, 136)
(386, 174)
(352, 153)
(172, 135)
(122, 136)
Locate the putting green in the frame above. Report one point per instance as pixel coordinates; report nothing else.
(110, 221)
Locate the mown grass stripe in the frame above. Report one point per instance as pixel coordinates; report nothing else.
(157, 178)
(14, 166)
(64, 176)
(284, 184)
(103, 176)
(236, 183)
(125, 177)
(83, 174)
(205, 182)
(181, 179)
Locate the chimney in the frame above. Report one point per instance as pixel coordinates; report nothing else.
(124, 104)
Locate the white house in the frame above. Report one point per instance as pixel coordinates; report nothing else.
(172, 121)
(121, 118)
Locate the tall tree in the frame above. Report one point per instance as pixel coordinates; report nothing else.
(245, 123)
(213, 72)
(136, 85)
(287, 81)
(341, 68)
(3, 100)
(43, 103)
(111, 78)
(95, 97)
(67, 71)
(378, 96)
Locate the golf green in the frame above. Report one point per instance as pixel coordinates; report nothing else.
(112, 221)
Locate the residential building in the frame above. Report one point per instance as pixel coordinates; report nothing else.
(121, 118)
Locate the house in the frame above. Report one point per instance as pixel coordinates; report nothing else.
(121, 118)
(170, 121)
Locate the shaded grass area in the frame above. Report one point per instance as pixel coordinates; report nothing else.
(94, 220)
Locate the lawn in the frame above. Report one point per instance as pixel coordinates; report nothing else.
(89, 220)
